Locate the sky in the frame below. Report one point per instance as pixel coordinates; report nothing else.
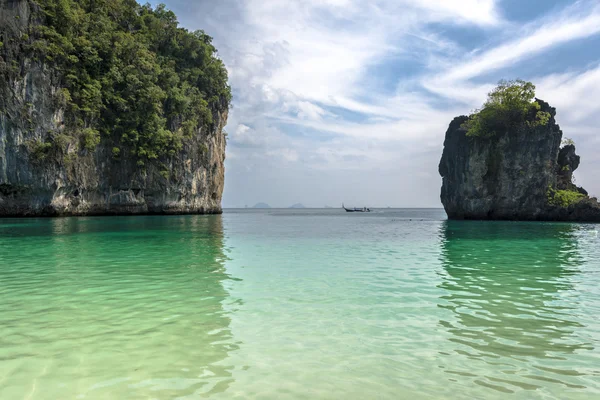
(349, 100)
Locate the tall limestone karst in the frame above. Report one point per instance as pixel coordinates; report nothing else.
(108, 107)
(505, 162)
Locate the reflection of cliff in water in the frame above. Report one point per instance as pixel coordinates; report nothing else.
(143, 298)
(507, 287)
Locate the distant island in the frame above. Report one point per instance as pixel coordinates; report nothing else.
(261, 205)
(505, 162)
(297, 205)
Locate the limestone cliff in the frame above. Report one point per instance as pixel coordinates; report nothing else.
(520, 174)
(48, 166)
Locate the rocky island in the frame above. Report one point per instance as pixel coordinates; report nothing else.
(505, 162)
(108, 107)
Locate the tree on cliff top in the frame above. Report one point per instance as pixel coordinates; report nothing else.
(510, 105)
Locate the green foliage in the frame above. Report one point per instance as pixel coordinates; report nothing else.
(568, 142)
(541, 117)
(116, 152)
(91, 139)
(130, 74)
(63, 97)
(563, 198)
(38, 150)
(70, 160)
(62, 141)
(510, 105)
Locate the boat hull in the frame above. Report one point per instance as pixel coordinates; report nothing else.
(356, 209)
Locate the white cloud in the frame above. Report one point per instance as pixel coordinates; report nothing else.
(307, 110)
(481, 12)
(320, 51)
(554, 32)
(571, 93)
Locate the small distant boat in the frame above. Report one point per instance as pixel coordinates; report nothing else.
(364, 209)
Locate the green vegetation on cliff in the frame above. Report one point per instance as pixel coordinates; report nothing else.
(510, 105)
(564, 198)
(128, 75)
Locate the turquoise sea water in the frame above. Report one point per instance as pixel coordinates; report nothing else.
(298, 304)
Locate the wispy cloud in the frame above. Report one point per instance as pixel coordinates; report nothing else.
(574, 23)
(572, 93)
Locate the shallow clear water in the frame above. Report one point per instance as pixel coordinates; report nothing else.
(298, 304)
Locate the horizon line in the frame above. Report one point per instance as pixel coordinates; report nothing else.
(326, 208)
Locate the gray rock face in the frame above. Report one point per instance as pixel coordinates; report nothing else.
(568, 162)
(508, 176)
(91, 183)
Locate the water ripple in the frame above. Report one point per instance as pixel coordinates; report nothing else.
(298, 305)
